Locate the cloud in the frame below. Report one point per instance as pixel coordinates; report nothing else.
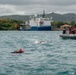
(23, 7)
(10, 10)
(38, 2)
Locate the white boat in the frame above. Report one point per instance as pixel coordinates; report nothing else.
(38, 23)
(68, 36)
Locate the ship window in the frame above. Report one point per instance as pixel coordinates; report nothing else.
(46, 19)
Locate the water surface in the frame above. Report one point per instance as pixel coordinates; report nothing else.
(55, 56)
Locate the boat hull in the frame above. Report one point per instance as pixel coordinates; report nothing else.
(68, 36)
(35, 28)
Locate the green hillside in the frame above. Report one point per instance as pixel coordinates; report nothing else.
(56, 17)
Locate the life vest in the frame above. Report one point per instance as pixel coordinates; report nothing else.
(18, 51)
(64, 31)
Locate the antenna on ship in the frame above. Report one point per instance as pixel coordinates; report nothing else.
(35, 15)
(43, 14)
(51, 19)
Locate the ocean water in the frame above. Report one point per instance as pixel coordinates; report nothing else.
(52, 56)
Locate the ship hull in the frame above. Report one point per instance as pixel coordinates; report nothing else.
(35, 28)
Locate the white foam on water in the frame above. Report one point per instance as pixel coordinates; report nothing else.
(40, 42)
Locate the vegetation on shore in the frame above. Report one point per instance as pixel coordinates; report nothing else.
(56, 25)
(11, 24)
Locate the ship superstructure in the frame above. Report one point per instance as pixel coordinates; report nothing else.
(41, 23)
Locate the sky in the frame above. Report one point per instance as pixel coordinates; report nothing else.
(27, 7)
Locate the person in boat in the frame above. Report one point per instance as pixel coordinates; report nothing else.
(64, 30)
(72, 31)
(18, 51)
(67, 30)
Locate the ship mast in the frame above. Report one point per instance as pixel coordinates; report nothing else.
(43, 14)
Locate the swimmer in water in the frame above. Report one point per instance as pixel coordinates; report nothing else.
(39, 42)
(18, 51)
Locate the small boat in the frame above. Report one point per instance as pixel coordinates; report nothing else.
(68, 33)
(68, 36)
